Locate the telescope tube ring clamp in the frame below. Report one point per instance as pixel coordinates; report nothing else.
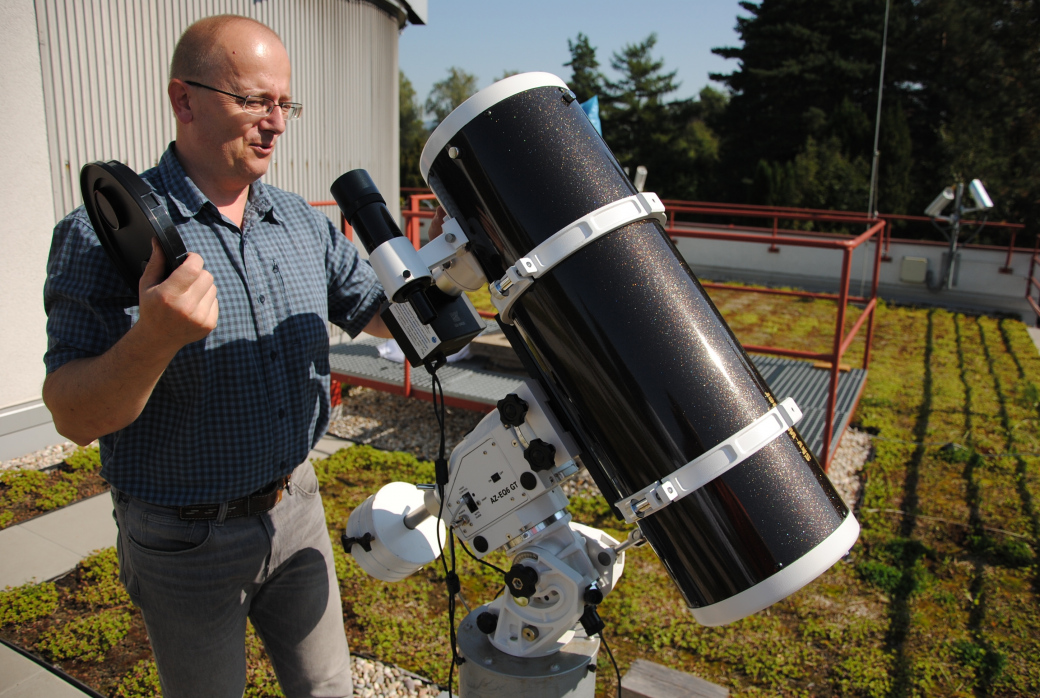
(711, 464)
(565, 242)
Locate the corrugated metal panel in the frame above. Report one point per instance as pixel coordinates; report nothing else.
(106, 65)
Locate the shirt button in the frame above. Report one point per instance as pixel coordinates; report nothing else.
(274, 355)
(275, 268)
(262, 298)
(281, 413)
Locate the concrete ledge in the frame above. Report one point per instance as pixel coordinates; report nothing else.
(649, 680)
(26, 428)
(23, 677)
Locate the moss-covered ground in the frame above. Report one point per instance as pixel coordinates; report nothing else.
(938, 597)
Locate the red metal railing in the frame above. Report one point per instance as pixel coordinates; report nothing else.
(1031, 281)
(875, 230)
(815, 214)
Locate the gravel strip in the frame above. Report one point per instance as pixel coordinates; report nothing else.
(44, 458)
(395, 423)
(853, 451)
(373, 679)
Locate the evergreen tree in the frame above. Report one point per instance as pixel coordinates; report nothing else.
(975, 67)
(669, 138)
(413, 133)
(586, 80)
(451, 92)
(806, 89)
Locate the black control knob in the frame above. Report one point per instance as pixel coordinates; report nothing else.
(487, 622)
(540, 455)
(593, 596)
(521, 580)
(512, 410)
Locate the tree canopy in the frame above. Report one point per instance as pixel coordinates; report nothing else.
(413, 134)
(451, 92)
(960, 101)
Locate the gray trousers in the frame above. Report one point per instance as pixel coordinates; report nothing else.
(196, 582)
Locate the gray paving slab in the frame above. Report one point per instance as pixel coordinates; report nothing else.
(21, 677)
(83, 527)
(28, 556)
(51, 545)
(328, 445)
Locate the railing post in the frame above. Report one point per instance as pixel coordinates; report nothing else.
(886, 241)
(773, 247)
(879, 237)
(1031, 282)
(412, 227)
(1006, 269)
(839, 336)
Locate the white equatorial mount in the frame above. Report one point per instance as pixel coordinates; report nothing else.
(503, 493)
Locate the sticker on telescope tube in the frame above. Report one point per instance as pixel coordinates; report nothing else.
(422, 337)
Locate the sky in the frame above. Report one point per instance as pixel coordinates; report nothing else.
(489, 37)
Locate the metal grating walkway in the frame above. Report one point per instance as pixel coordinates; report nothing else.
(468, 384)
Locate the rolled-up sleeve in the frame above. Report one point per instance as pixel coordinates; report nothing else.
(88, 304)
(354, 290)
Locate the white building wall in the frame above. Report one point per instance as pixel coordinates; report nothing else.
(28, 216)
(89, 82)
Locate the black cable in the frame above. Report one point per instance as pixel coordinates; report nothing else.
(483, 562)
(450, 577)
(610, 654)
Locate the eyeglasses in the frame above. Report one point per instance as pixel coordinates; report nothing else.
(258, 105)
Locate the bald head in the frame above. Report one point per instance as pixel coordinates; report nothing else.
(202, 53)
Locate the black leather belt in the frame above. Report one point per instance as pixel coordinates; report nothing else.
(260, 501)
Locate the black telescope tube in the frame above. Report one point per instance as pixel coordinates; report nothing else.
(365, 209)
(630, 348)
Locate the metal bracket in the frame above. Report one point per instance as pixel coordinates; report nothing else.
(449, 245)
(565, 242)
(709, 465)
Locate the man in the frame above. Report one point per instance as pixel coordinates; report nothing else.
(209, 392)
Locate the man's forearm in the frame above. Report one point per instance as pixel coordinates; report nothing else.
(95, 396)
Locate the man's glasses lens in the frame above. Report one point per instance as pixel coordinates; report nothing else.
(262, 105)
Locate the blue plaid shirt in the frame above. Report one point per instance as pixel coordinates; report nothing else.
(243, 406)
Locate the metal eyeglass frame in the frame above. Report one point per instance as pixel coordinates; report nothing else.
(263, 105)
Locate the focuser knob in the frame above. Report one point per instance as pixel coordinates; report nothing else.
(540, 455)
(512, 410)
(521, 581)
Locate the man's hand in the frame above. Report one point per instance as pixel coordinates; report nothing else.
(437, 224)
(183, 308)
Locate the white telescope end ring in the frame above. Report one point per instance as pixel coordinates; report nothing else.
(568, 240)
(709, 465)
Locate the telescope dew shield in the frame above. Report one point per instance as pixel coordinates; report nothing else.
(126, 214)
(630, 348)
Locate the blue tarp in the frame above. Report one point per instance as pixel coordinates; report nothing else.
(591, 108)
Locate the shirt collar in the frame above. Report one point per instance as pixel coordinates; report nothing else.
(189, 199)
